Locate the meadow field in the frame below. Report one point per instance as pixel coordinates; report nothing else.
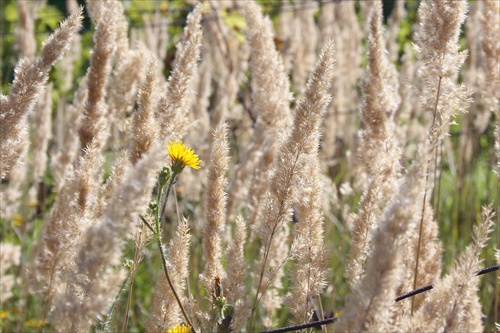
(242, 166)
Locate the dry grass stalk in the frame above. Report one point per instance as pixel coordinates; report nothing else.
(215, 209)
(371, 304)
(68, 120)
(156, 34)
(127, 74)
(305, 133)
(10, 256)
(12, 197)
(42, 126)
(62, 232)
(25, 31)
(490, 21)
(338, 130)
(145, 127)
(236, 291)
(29, 81)
(380, 102)
(113, 184)
(172, 109)
(94, 121)
(271, 98)
(76, 265)
(122, 93)
(438, 53)
(200, 132)
(304, 39)
(97, 257)
(165, 312)
(454, 305)
(272, 284)
(309, 270)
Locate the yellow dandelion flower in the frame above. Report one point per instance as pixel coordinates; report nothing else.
(179, 329)
(182, 156)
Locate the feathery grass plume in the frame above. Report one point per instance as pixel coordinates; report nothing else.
(215, 210)
(42, 126)
(30, 77)
(88, 178)
(326, 18)
(237, 274)
(141, 239)
(304, 41)
(394, 26)
(272, 284)
(25, 42)
(10, 256)
(430, 253)
(305, 134)
(309, 270)
(365, 10)
(437, 50)
(76, 196)
(155, 35)
(112, 184)
(173, 105)
(165, 311)
(67, 64)
(338, 126)
(271, 98)
(121, 22)
(127, 76)
(454, 305)
(96, 278)
(200, 132)
(477, 119)
(68, 120)
(490, 21)
(145, 127)
(228, 62)
(409, 131)
(55, 251)
(12, 196)
(94, 121)
(371, 303)
(380, 102)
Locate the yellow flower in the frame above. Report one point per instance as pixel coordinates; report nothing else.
(179, 329)
(34, 323)
(18, 220)
(182, 156)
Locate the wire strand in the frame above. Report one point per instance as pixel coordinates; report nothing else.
(397, 299)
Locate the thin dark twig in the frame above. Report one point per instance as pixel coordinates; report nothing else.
(488, 270)
(303, 326)
(397, 299)
(414, 292)
(430, 286)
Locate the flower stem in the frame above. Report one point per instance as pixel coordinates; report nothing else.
(167, 275)
(157, 233)
(170, 184)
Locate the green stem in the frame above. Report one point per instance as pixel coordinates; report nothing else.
(160, 246)
(170, 184)
(167, 275)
